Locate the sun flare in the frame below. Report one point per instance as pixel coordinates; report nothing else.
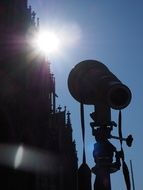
(47, 42)
(54, 41)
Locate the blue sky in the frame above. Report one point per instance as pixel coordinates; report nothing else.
(111, 32)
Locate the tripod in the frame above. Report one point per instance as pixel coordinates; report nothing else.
(103, 154)
(90, 82)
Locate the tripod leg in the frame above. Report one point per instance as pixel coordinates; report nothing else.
(102, 180)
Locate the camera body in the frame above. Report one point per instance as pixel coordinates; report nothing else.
(90, 82)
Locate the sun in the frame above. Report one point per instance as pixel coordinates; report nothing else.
(47, 42)
(52, 41)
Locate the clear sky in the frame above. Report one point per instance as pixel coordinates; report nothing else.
(111, 32)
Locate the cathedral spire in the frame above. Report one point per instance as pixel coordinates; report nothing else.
(68, 119)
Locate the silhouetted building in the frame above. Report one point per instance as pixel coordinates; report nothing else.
(37, 151)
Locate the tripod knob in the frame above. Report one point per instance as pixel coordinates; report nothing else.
(129, 140)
